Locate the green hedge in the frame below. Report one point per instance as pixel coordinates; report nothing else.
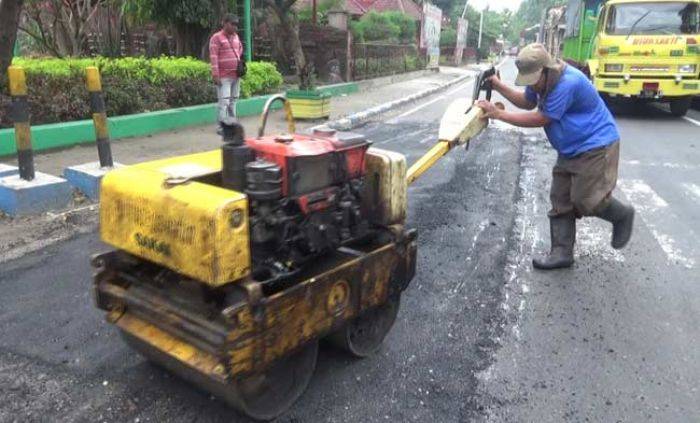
(390, 26)
(131, 85)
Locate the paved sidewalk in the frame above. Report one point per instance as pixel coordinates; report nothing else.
(201, 138)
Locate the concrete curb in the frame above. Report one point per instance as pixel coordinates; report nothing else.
(357, 119)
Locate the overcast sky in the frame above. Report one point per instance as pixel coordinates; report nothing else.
(496, 5)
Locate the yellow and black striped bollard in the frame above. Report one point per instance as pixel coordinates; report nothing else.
(99, 116)
(19, 112)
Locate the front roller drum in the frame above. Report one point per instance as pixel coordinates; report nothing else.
(363, 335)
(262, 396)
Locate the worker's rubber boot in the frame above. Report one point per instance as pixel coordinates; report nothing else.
(622, 218)
(562, 231)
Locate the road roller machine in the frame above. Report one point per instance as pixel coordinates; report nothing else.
(230, 265)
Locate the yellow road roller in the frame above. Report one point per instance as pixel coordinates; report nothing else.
(230, 265)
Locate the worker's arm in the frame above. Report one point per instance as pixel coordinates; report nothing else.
(516, 97)
(522, 119)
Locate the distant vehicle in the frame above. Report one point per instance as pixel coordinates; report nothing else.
(645, 50)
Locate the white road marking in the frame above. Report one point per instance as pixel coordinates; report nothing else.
(668, 165)
(401, 135)
(427, 139)
(593, 240)
(651, 208)
(691, 120)
(395, 120)
(428, 103)
(693, 190)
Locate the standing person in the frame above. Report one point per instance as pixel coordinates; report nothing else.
(225, 50)
(582, 130)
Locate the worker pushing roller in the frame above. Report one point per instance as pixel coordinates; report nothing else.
(582, 130)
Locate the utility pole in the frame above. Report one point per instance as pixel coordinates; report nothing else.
(481, 28)
(464, 11)
(247, 28)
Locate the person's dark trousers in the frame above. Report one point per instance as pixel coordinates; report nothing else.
(582, 186)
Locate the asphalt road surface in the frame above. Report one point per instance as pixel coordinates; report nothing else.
(480, 335)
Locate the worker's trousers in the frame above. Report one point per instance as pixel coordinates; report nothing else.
(227, 92)
(583, 184)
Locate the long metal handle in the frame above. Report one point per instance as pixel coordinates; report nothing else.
(456, 128)
(287, 112)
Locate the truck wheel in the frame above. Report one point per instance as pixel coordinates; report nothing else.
(363, 335)
(680, 106)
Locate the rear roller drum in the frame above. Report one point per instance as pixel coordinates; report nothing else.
(262, 396)
(364, 335)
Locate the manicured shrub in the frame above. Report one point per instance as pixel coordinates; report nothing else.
(374, 26)
(131, 85)
(262, 78)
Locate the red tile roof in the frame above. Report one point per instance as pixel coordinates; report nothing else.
(357, 7)
(360, 7)
(406, 6)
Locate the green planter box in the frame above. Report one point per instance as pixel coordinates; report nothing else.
(309, 104)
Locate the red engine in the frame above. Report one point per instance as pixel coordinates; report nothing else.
(312, 168)
(305, 195)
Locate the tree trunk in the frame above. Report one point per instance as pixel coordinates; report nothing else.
(289, 30)
(189, 39)
(10, 11)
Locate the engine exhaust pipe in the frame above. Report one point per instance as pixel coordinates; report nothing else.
(235, 154)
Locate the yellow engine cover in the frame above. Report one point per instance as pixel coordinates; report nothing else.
(162, 211)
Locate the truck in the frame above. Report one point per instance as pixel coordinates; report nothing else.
(642, 50)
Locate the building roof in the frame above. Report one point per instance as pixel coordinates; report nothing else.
(408, 7)
(357, 7)
(360, 7)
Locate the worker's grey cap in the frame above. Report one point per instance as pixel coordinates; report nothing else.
(531, 60)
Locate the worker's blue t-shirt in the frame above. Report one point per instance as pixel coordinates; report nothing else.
(579, 119)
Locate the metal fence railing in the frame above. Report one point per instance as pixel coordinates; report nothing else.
(370, 60)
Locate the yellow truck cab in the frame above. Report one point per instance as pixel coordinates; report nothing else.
(648, 50)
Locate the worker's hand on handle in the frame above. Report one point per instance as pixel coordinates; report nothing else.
(491, 111)
(496, 82)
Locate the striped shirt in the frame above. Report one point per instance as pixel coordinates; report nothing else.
(224, 53)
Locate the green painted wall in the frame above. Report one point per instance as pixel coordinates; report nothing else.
(57, 135)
